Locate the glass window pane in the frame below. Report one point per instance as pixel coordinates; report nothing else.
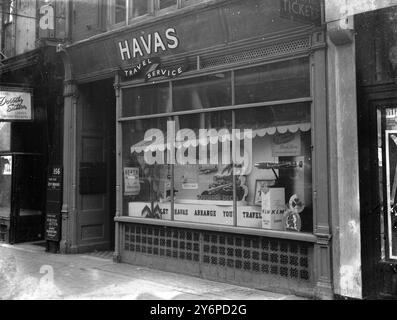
(201, 93)
(146, 100)
(203, 176)
(278, 81)
(273, 149)
(5, 136)
(166, 3)
(5, 185)
(120, 11)
(138, 8)
(146, 174)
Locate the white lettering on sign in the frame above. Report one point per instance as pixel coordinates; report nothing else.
(47, 20)
(146, 45)
(309, 10)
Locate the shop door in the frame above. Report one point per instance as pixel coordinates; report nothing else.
(96, 159)
(27, 214)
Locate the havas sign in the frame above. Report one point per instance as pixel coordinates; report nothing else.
(152, 43)
(15, 106)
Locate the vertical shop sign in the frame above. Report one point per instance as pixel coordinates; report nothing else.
(54, 204)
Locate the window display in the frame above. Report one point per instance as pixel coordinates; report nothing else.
(276, 81)
(245, 167)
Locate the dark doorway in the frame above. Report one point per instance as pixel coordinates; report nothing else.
(96, 161)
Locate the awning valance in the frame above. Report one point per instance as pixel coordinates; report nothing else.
(186, 138)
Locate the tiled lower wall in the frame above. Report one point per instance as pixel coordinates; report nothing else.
(253, 261)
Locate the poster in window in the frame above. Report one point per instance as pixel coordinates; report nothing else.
(391, 181)
(131, 182)
(287, 145)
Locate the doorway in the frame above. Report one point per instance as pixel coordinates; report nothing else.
(379, 199)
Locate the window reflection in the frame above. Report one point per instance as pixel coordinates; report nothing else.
(166, 3)
(277, 81)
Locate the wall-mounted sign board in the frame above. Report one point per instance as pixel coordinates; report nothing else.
(15, 105)
(54, 204)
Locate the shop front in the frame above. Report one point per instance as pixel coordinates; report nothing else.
(29, 135)
(220, 144)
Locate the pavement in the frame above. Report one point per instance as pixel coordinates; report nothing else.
(27, 272)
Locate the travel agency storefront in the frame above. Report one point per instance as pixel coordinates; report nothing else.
(220, 144)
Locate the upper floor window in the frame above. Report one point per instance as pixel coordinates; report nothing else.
(123, 11)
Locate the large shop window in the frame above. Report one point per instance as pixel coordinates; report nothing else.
(246, 166)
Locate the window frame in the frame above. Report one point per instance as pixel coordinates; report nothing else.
(300, 236)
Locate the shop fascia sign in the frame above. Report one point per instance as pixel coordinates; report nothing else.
(301, 10)
(15, 105)
(138, 52)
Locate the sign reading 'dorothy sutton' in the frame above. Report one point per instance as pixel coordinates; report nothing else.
(15, 105)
